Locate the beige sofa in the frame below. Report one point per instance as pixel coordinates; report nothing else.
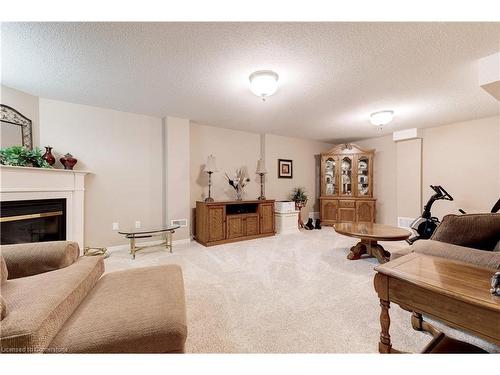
(472, 238)
(54, 301)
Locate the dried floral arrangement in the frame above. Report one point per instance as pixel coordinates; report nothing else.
(238, 183)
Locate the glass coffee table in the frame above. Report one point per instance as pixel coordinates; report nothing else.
(134, 234)
(369, 234)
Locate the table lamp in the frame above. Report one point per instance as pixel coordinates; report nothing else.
(261, 171)
(210, 168)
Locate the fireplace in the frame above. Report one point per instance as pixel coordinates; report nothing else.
(32, 221)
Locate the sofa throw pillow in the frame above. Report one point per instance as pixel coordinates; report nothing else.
(479, 231)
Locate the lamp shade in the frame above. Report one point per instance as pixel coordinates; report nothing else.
(261, 167)
(210, 166)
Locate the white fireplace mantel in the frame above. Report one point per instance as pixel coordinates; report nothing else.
(24, 183)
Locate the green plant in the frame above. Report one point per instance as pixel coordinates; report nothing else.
(22, 157)
(299, 195)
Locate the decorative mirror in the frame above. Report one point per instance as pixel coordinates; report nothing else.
(16, 129)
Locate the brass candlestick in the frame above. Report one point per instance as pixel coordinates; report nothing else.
(261, 171)
(209, 198)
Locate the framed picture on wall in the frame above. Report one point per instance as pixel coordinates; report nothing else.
(285, 168)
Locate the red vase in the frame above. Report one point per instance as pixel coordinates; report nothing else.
(68, 161)
(48, 157)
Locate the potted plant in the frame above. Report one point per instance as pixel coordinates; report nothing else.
(299, 196)
(19, 156)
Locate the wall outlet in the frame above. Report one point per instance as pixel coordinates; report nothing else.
(137, 224)
(116, 226)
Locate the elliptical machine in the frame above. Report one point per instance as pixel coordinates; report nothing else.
(425, 225)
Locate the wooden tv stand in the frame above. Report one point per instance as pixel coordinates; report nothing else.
(224, 222)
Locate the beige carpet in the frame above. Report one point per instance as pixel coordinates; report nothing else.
(292, 293)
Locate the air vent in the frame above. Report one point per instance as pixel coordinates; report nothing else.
(405, 222)
(180, 222)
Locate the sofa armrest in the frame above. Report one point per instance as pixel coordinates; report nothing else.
(33, 258)
(479, 231)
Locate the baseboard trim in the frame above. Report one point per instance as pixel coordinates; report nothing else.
(126, 247)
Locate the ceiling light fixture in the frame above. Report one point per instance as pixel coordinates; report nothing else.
(381, 118)
(263, 83)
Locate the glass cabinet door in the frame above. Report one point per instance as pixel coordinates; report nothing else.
(330, 179)
(364, 176)
(346, 175)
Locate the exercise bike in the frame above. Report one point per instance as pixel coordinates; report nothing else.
(426, 224)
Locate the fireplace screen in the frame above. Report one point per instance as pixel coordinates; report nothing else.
(32, 221)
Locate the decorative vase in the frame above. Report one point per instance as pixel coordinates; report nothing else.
(68, 161)
(48, 157)
(239, 195)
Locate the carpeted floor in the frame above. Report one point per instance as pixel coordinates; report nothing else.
(294, 293)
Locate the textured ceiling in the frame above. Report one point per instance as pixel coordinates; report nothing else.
(332, 75)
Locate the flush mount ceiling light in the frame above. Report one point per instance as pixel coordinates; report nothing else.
(381, 118)
(263, 83)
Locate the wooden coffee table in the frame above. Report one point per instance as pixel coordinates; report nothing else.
(449, 291)
(370, 233)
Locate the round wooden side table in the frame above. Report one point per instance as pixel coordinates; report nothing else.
(370, 233)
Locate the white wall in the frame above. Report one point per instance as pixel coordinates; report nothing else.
(177, 172)
(237, 149)
(306, 168)
(462, 157)
(232, 149)
(123, 153)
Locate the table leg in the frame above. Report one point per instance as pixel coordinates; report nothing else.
(418, 324)
(385, 346)
(379, 252)
(169, 241)
(300, 222)
(357, 250)
(132, 246)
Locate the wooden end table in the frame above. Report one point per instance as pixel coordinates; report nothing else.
(449, 291)
(370, 233)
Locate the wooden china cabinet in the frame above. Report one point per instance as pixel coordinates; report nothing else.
(347, 185)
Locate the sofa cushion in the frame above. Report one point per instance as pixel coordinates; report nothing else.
(480, 258)
(28, 259)
(401, 252)
(479, 231)
(39, 305)
(140, 310)
(4, 273)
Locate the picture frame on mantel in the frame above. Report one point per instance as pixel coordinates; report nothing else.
(285, 168)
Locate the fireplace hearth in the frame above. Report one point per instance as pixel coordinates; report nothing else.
(32, 221)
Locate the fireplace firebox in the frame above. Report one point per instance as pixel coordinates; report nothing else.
(32, 221)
